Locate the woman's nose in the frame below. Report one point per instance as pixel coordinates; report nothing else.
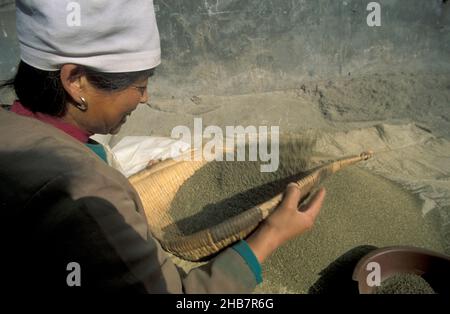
(144, 97)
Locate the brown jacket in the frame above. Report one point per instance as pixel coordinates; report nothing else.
(61, 203)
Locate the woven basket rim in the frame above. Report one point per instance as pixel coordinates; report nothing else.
(200, 244)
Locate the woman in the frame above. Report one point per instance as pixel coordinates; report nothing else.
(61, 203)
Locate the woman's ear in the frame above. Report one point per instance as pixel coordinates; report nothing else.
(72, 80)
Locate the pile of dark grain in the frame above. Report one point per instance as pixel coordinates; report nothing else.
(404, 284)
(222, 189)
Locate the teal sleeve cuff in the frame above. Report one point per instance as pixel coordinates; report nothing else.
(247, 254)
(99, 150)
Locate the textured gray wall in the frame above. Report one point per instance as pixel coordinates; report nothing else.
(9, 50)
(242, 46)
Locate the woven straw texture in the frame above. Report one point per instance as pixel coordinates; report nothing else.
(158, 186)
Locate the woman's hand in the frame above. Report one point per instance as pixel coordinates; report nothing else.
(286, 222)
(152, 162)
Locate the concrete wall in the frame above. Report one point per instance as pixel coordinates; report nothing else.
(9, 49)
(244, 46)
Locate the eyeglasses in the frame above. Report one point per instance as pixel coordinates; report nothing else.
(141, 89)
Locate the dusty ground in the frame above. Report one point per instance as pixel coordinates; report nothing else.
(361, 209)
(327, 105)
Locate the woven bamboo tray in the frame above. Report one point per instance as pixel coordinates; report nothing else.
(158, 186)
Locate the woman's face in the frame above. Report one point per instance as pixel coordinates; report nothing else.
(108, 110)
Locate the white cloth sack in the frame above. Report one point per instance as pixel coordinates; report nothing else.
(134, 152)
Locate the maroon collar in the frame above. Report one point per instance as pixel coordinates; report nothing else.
(58, 123)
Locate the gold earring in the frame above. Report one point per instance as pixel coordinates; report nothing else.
(83, 106)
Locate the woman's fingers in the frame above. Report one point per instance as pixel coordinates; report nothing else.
(153, 162)
(312, 208)
(291, 196)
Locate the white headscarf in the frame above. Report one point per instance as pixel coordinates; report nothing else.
(109, 36)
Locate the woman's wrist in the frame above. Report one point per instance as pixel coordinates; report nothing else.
(263, 241)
